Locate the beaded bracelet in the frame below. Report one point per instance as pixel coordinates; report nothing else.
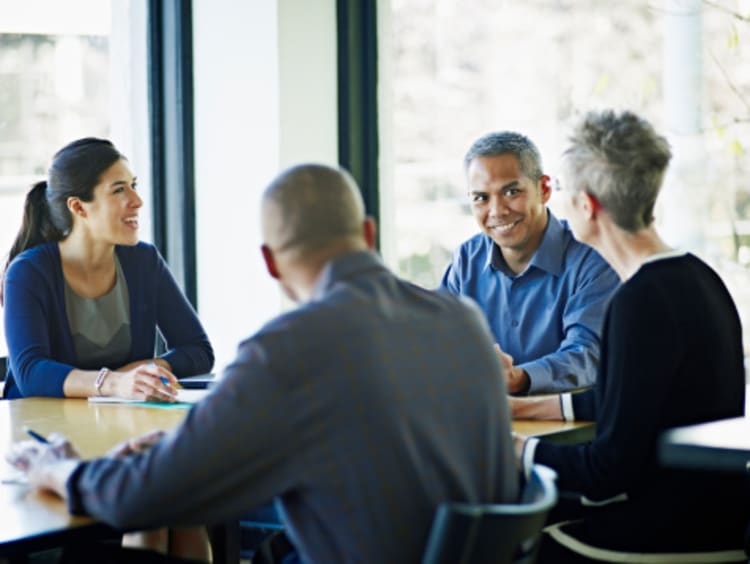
(100, 380)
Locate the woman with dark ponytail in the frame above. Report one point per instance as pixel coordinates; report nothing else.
(84, 298)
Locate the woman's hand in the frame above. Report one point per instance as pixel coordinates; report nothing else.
(147, 382)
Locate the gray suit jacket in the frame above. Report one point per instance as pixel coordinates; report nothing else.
(359, 411)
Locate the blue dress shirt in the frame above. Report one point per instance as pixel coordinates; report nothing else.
(548, 317)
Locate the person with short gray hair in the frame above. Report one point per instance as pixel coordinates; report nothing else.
(348, 410)
(672, 355)
(543, 292)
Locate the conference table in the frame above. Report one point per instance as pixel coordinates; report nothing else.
(722, 445)
(31, 520)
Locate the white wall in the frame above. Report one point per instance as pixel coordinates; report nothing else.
(265, 97)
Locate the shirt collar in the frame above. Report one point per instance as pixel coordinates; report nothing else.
(345, 267)
(548, 257)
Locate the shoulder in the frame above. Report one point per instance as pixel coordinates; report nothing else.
(141, 255)
(43, 258)
(580, 258)
(475, 250)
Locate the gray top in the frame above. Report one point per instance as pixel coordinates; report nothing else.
(100, 327)
(360, 411)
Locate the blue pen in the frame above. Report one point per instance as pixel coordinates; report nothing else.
(36, 435)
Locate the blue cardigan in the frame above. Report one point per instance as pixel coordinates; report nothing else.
(40, 345)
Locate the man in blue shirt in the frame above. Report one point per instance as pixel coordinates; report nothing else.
(543, 292)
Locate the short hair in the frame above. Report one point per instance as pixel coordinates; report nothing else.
(508, 143)
(620, 160)
(310, 206)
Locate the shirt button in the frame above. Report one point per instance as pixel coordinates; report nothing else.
(514, 323)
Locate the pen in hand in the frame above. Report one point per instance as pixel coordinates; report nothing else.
(36, 435)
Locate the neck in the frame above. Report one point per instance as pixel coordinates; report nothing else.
(626, 252)
(301, 273)
(79, 251)
(518, 260)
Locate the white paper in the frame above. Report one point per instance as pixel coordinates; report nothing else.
(183, 396)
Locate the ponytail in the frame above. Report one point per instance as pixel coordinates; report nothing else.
(75, 172)
(36, 226)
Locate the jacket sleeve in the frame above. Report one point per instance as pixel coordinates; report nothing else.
(234, 451)
(30, 311)
(639, 372)
(189, 351)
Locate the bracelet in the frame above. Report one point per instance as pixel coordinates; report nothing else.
(100, 380)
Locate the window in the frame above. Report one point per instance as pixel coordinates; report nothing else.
(452, 71)
(68, 70)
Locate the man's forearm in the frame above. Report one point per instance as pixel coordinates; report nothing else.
(540, 407)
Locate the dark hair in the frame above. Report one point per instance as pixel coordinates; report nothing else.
(508, 143)
(76, 169)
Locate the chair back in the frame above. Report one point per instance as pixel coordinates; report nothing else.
(464, 533)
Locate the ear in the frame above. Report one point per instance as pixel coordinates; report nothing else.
(544, 188)
(591, 205)
(76, 206)
(270, 261)
(370, 232)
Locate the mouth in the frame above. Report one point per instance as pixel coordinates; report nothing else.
(131, 222)
(503, 228)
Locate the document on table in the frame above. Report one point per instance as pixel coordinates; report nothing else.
(185, 398)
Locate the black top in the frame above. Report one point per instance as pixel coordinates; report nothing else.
(671, 355)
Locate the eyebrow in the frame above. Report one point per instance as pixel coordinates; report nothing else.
(121, 182)
(511, 184)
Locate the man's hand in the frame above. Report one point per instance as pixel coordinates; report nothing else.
(46, 465)
(136, 445)
(516, 378)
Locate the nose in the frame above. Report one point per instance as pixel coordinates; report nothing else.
(497, 205)
(135, 199)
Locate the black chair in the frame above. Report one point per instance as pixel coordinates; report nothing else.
(464, 533)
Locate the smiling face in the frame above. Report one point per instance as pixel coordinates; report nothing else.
(112, 216)
(508, 206)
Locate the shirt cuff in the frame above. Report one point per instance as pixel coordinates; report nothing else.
(527, 458)
(75, 505)
(566, 406)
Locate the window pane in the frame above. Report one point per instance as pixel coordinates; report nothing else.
(453, 70)
(67, 70)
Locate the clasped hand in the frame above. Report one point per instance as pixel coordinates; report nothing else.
(516, 378)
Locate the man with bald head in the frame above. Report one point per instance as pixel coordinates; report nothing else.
(358, 412)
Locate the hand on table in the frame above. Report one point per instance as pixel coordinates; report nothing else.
(516, 378)
(148, 382)
(46, 465)
(136, 445)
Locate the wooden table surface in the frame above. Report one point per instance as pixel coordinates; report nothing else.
(94, 429)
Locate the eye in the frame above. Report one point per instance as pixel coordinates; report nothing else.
(478, 197)
(134, 185)
(118, 189)
(510, 192)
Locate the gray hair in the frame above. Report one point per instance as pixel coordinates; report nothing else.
(508, 143)
(620, 160)
(310, 206)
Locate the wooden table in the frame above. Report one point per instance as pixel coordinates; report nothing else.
(564, 432)
(31, 520)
